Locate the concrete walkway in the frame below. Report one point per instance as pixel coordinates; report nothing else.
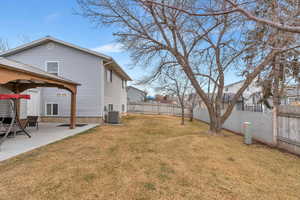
(47, 133)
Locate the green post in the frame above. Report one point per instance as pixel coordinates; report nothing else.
(247, 133)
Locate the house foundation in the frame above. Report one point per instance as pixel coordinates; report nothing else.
(80, 120)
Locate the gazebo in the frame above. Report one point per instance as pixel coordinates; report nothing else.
(18, 77)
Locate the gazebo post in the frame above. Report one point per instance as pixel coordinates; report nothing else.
(73, 110)
(18, 103)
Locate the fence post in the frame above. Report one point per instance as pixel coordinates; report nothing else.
(173, 110)
(275, 125)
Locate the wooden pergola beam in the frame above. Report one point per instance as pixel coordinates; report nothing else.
(8, 76)
(73, 111)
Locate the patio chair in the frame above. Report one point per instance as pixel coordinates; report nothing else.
(5, 124)
(32, 121)
(1, 121)
(1, 124)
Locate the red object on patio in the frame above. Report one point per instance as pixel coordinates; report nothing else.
(14, 96)
(15, 118)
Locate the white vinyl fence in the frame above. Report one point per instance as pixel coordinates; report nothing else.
(156, 108)
(288, 122)
(289, 128)
(261, 123)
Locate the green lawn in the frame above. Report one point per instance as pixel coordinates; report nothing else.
(151, 157)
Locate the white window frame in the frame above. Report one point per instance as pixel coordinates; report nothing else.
(51, 103)
(58, 66)
(123, 84)
(106, 74)
(112, 106)
(111, 75)
(292, 99)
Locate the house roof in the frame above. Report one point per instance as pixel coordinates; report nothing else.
(136, 89)
(109, 60)
(293, 90)
(229, 85)
(227, 97)
(21, 67)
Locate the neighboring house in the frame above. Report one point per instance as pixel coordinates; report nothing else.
(135, 95)
(227, 98)
(229, 92)
(292, 95)
(250, 97)
(247, 94)
(168, 99)
(245, 101)
(103, 82)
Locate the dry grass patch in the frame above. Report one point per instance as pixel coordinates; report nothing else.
(151, 157)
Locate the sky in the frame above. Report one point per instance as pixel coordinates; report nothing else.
(24, 21)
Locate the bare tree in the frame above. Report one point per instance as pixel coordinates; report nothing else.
(193, 101)
(206, 47)
(289, 22)
(3, 45)
(174, 83)
(24, 39)
(285, 66)
(145, 95)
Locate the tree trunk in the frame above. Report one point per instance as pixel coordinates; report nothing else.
(216, 119)
(215, 125)
(192, 115)
(276, 96)
(182, 115)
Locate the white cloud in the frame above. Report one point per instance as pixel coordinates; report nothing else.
(109, 48)
(52, 17)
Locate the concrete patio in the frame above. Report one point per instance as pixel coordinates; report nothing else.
(47, 133)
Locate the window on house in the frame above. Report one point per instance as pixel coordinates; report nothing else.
(110, 107)
(52, 109)
(107, 75)
(123, 108)
(292, 100)
(226, 89)
(110, 76)
(123, 84)
(52, 67)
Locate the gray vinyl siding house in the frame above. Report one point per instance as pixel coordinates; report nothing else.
(84, 66)
(135, 95)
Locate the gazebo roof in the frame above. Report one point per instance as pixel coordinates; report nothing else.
(19, 77)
